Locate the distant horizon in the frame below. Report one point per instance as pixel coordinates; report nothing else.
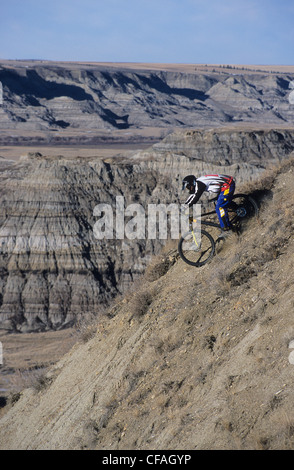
(204, 64)
(274, 68)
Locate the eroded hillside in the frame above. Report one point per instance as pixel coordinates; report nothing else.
(52, 268)
(193, 359)
(51, 97)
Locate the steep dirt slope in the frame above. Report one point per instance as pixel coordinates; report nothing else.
(196, 359)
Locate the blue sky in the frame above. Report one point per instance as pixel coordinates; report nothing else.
(169, 31)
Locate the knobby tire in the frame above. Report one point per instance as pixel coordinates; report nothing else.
(198, 256)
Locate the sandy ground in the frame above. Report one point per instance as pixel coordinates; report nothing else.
(26, 356)
(109, 151)
(125, 143)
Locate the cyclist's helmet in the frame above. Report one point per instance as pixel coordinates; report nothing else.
(189, 182)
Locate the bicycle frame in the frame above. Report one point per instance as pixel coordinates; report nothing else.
(240, 212)
(233, 208)
(206, 222)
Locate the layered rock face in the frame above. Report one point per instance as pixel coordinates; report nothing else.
(54, 98)
(241, 153)
(53, 269)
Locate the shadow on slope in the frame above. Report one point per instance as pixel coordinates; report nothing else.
(34, 86)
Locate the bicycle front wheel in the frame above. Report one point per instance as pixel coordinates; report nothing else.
(196, 247)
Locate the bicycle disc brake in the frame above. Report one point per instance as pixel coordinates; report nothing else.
(241, 211)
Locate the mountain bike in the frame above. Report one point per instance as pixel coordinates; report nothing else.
(197, 246)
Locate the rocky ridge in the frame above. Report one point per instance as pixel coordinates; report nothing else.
(243, 153)
(52, 98)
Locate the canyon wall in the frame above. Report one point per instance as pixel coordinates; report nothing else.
(53, 268)
(54, 98)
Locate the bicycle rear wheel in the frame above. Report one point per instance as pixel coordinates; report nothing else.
(242, 208)
(196, 247)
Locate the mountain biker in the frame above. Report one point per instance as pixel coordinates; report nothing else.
(223, 185)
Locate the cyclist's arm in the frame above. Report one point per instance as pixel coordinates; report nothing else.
(194, 197)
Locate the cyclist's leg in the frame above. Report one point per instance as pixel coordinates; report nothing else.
(222, 203)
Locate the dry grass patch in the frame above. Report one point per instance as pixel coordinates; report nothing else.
(140, 303)
(267, 179)
(161, 263)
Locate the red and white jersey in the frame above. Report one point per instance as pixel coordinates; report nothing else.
(210, 183)
(214, 183)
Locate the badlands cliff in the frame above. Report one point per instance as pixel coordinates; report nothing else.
(53, 97)
(53, 269)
